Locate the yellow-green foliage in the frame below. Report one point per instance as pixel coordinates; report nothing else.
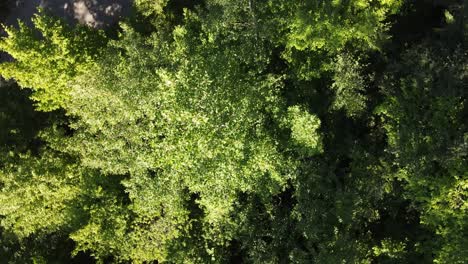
(48, 57)
(197, 124)
(37, 193)
(389, 248)
(304, 130)
(348, 85)
(316, 31)
(238, 131)
(150, 7)
(329, 25)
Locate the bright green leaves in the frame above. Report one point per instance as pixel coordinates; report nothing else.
(304, 130)
(237, 131)
(189, 120)
(389, 248)
(114, 230)
(105, 231)
(330, 25)
(49, 57)
(317, 31)
(150, 7)
(38, 194)
(349, 85)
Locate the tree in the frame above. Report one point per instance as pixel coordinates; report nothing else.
(48, 57)
(238, 131)
(42, 200)
(424, 118)
(317, 31)
(349, 86)
(179, 118)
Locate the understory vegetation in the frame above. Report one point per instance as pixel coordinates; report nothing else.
(238, 131)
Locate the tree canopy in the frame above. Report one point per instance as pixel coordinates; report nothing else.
(237, 132)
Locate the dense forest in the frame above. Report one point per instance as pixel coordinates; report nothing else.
(238, 131)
